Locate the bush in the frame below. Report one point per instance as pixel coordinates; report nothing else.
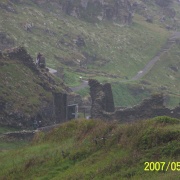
(166, 120)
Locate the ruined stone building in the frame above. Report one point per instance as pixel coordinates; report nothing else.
(103, 106)
(102, 99)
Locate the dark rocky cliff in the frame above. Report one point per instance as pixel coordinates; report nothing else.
(93, 10)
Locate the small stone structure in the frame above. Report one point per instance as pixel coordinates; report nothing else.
(103, 106)
(18, 136)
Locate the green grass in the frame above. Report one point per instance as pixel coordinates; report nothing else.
(118, 50)
(163, 71)
(120, 156)
(20, 85)
(83, 92)
(4, 129)
(6, 146)
(9, 145)
(129, 94)
(71, 78)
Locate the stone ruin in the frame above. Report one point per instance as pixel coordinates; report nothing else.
(102, 99)
(54, 110)
(103, 106)
(60, 106)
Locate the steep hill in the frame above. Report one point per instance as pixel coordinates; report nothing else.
(90, 149)
(25, 90)
(106, 40)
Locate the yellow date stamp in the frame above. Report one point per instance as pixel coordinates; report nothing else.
(162, 166)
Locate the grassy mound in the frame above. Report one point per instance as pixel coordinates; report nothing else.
(91, 149)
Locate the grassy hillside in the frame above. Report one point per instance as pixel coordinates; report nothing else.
(91, 149)
(9, 145)
(18, 88)
(104, 50)
(129, 94)
(25, 90)
(109, 47)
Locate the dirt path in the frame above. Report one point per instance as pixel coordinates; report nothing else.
(83, 85)
(166, 47)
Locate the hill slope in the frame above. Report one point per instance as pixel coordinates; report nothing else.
(104, 46)
(97, 150)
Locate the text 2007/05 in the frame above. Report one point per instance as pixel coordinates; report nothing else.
(162, 166)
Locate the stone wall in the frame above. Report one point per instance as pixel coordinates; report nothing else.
(108, 100)
(103, 106)
(20, 54)
(149, 108)
(102, 99)
(18, 136)
(60, 106)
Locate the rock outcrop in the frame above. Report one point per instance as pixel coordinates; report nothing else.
(94, 10)
(167, 13)
(26, 91)
(5, 41)
(60, 107)
(164, 3)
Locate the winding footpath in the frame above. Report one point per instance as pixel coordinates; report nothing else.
(166, 47)
(83, 85)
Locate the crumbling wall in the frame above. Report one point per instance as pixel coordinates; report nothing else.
(149, 108)
(18, 136)
(20, 53)
(60, 105)
(102, 99)
(103, 106)
(108, 100)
